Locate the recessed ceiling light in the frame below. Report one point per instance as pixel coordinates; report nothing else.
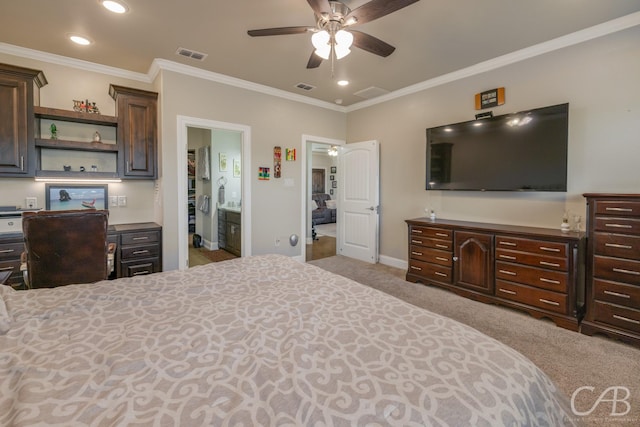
(343, 82)
(81, 40)
(114, 6)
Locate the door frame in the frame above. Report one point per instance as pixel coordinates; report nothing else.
(305, 184)
(185, 122)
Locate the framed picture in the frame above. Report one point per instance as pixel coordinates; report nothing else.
(222, 161)
(331, 191)
(236, 168)
(334, 169)
(334, 184)
(332, 177)
(61, 197)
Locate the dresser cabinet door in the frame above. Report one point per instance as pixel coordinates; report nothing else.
(473, 261)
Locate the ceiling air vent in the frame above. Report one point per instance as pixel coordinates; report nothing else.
(198, 56)
(371, 92)
(305, 86)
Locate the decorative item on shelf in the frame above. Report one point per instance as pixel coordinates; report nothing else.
(66, 168)
(54, 131)
(85, 106)
(577, 220)
(432, 215)
(263, 173)
(82, 169)
(94, 168)
(97, 137)
(490, 98)
(277, 162)
(565, 226)
(290, 154)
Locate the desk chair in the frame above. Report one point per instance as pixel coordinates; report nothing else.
(65, 247)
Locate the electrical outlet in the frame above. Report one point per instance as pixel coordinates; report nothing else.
(31, 202)
(122, 201)
(113, 201)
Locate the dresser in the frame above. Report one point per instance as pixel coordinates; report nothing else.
(536, 270)
(613, 267)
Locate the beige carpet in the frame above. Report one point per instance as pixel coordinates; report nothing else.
(572, 360)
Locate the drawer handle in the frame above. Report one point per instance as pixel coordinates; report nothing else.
(7, 251)
(622, 270)
(6, 268)
(626, 319)
(141, 238)
(618, 225)
(549, 264)
(416, 231)
(437, 273)
(442, 246)
(140, 252)
(416, 253)
(555, 282)
(442, 235)
(615, 245)
(439, 258)
(546, 301)
(138, 273)
(413, 267)
(507, 291)
(507, 256)
(548, 249)
(510, 273)
(508, 244)
(617, 294)
(416, 241)
(619, 209)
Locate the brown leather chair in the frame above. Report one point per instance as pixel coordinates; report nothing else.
(65, 247)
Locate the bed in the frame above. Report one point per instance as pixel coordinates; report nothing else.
(262, 340)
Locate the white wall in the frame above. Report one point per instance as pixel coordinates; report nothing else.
(600, 80)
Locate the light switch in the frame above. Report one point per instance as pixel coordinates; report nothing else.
(122, 201)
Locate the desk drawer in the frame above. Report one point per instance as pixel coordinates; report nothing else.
(143, 251)
(139, 237)
(11, 250)
(140, 267)
(547, 300)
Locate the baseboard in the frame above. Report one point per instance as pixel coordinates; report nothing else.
(212, 246)
(393, 262)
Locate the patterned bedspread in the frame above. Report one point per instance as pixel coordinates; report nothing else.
(257, 341)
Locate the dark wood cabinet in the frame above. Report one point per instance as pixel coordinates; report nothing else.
(473, 261)
(19, 91)
(613, 273)
(536, 270)
(230, 231)
(136, 111)
(139, 248)
(11, 247)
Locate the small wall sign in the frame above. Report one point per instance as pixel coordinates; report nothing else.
(490, 98)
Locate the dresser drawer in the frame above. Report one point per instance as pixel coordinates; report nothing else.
(617, 208)
(623, 317)
(438, 273)
(617, 293)
(617, 225)
(617, 245)
(443, 245)
(539, 247)
(142, 251)
(431, 232)
(139, 237)
(534, 260)
(431, 255)
(616, 269)
(544, 299)
(11, 250)
(540, 278)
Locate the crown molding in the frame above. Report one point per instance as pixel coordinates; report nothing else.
(571, 39)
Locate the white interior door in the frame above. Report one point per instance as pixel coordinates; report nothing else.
(358, 200)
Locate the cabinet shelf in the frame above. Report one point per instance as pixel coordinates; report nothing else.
(77, 174)
(62, 144)
(75, 116)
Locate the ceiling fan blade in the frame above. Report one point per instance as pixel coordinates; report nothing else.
(371, 44)
(314, 61)
(377, 9)
(320, 7)
(280, 31)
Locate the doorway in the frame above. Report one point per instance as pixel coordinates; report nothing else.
(214, 140)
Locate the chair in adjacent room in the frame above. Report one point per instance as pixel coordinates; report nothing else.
(66, 247)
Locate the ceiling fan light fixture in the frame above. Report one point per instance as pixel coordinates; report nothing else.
(333, 151)
(344, 39)
(320, 40)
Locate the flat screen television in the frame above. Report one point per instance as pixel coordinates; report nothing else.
(524, 151)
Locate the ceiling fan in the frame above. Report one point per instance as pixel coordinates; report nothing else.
(333, 34)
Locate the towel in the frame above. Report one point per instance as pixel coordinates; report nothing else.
(203, 203)
(221, 195)
(203, 163)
